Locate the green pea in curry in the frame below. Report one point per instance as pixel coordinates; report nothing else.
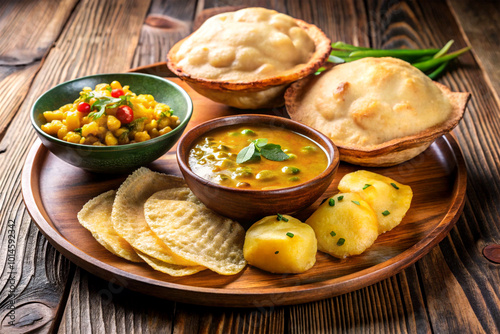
(257, 157)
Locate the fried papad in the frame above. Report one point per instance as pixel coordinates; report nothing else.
(128, 214)
(95, 216)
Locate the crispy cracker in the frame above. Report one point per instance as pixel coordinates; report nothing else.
(95, 216)
(196, 233)
(128, 213)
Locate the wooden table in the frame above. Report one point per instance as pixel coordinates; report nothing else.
(452, 289)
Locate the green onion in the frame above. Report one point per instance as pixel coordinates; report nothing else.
(431, 61)
(341, 197)
(333, 233)
(331, 202)
(395, 186)
(356, 202)
(340, 242)
(366, 186)
(289, 234)
(276, 252)
(386, 213)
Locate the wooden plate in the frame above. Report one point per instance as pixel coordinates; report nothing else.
(54, 192)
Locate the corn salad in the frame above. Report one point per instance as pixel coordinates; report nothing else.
(110, 114)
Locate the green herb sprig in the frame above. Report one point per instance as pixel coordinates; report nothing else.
(432, 62)
(260, 147)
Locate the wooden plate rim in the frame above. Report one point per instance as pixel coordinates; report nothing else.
(240, 297)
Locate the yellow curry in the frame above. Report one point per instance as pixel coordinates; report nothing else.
(110, 115)
(257, 157)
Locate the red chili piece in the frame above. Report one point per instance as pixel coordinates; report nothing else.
(83, 107)
(125, 114)
(117, 92)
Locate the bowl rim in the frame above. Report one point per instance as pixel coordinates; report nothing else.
(321, 53)
(329, 148)
(179, 128)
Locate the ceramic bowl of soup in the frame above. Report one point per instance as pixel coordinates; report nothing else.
(249, 166)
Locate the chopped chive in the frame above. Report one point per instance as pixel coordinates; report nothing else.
(289, 234)
(386, 213)
(331, 202)
(366, 186)
(341, 197)
(344, 46)
(276, 252)
(281, 217)
(340, 242)
(395, 186)
(333, 233)
(356, 202)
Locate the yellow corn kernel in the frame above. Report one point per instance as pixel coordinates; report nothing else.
(154, 132)
(72, 137)
(53, 115)
(52, 127)
(62, 132)
(166, 129)
(90, 129)
(164, 122)
(120, 131)
(110, 140)
(113, 123)
(161, 110)
(90, 140)
(116, 85)
(142, 136)
(102, 120)
(101, 86)
(151, 125)
(126, 89)
(73, 121)
(67, 107)
(92, 101)
(98, 143)
(101, 132)
(85, 120)
(174, 120)
(82, 140)
(86, 89)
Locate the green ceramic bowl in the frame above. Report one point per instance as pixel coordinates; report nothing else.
(120, 158)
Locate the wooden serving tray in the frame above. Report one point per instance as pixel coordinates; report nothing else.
(54, 192)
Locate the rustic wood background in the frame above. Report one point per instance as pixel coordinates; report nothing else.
(452, 289)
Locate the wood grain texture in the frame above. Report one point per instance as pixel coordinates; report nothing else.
(459, 256)
(414, 297)
(480, 25)
(42, 272)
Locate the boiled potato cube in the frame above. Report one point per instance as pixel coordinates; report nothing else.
(345, 225)
(389, 199)
(280, 246)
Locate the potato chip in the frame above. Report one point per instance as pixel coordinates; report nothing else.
(168, 268)
(389, 199)
(196, 233)
(128, 214)
(95, 216)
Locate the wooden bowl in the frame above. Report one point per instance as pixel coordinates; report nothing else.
(246, 205)
(392, 152)
(264, 93)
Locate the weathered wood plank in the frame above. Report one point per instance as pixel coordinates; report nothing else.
(480, 23)
(27, 30)
(457, 281)
(42, 272)
(98, 306)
